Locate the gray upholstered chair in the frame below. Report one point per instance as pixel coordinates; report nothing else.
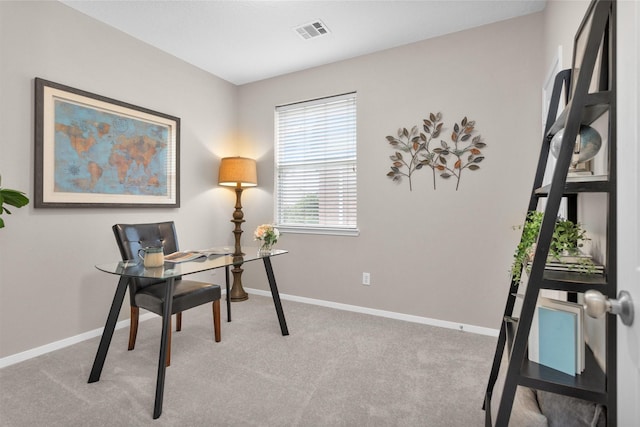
(149, 293)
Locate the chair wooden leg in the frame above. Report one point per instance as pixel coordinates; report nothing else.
(179, 321)
(169, 343)
(216, 320)
(133, 327)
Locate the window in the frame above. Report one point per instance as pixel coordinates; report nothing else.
(315, 166)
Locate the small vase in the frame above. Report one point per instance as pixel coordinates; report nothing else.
(265, 249)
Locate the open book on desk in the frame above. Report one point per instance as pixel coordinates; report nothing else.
(184, 256)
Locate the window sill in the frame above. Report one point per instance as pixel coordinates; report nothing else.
(354, 232)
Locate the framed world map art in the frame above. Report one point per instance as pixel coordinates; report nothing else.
(93, 151)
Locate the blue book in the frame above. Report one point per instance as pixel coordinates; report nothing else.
(557, 339)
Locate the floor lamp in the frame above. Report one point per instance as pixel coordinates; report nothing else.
(238, 172)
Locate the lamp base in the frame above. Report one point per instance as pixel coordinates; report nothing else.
(237, 292)
(239, 298)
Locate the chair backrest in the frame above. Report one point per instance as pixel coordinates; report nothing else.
(133, 237)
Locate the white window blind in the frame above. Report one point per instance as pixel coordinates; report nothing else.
(316, 166)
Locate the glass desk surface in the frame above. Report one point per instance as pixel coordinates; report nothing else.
(135, 268)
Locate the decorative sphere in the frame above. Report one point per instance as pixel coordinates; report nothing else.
(587, 145)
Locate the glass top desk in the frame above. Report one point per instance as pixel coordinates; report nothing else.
(170, 272)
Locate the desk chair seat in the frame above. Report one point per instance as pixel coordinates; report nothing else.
(149, 293)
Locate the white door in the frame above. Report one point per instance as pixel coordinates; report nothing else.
(628, 72)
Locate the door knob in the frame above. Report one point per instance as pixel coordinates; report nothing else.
(597, 304)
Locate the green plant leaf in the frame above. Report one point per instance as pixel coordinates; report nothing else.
(13, 197)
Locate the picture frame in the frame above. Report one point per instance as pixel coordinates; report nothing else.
(602, 64)
(92, 151)
(600, 74)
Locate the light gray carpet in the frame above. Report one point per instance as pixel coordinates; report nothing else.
(336, 368)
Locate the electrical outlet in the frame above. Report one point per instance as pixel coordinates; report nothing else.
(366, 279)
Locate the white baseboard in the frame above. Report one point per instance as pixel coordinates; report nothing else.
(383, 313)
(35, 352)
(47, 348)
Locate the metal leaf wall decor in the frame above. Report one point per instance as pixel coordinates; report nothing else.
(414, 151)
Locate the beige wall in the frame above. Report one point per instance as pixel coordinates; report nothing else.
(49, 289)
(438, 254)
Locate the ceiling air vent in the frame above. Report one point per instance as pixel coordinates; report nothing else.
(312, 30)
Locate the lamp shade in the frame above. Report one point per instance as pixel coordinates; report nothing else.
(237, 171)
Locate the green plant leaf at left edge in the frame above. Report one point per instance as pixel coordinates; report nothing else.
(12, 198)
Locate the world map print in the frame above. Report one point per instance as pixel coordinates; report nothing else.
(105, 153)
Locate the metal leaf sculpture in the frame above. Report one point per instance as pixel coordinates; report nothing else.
(465, 150)
(416, 145)
(432, 158)
(407, 142)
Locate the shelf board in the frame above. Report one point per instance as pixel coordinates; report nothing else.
(571, 281)
(596, 105)
(590, 385)
(580, 184)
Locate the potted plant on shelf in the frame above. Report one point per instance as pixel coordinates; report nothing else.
(567, 239)
(10, 197)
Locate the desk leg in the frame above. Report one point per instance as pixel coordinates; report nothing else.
(226, 277)
(275, 295)
(162, 362)
(109, 327)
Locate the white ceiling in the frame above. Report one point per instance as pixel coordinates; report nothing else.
(243, 41)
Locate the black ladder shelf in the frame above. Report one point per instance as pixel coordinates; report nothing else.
(593, 65)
